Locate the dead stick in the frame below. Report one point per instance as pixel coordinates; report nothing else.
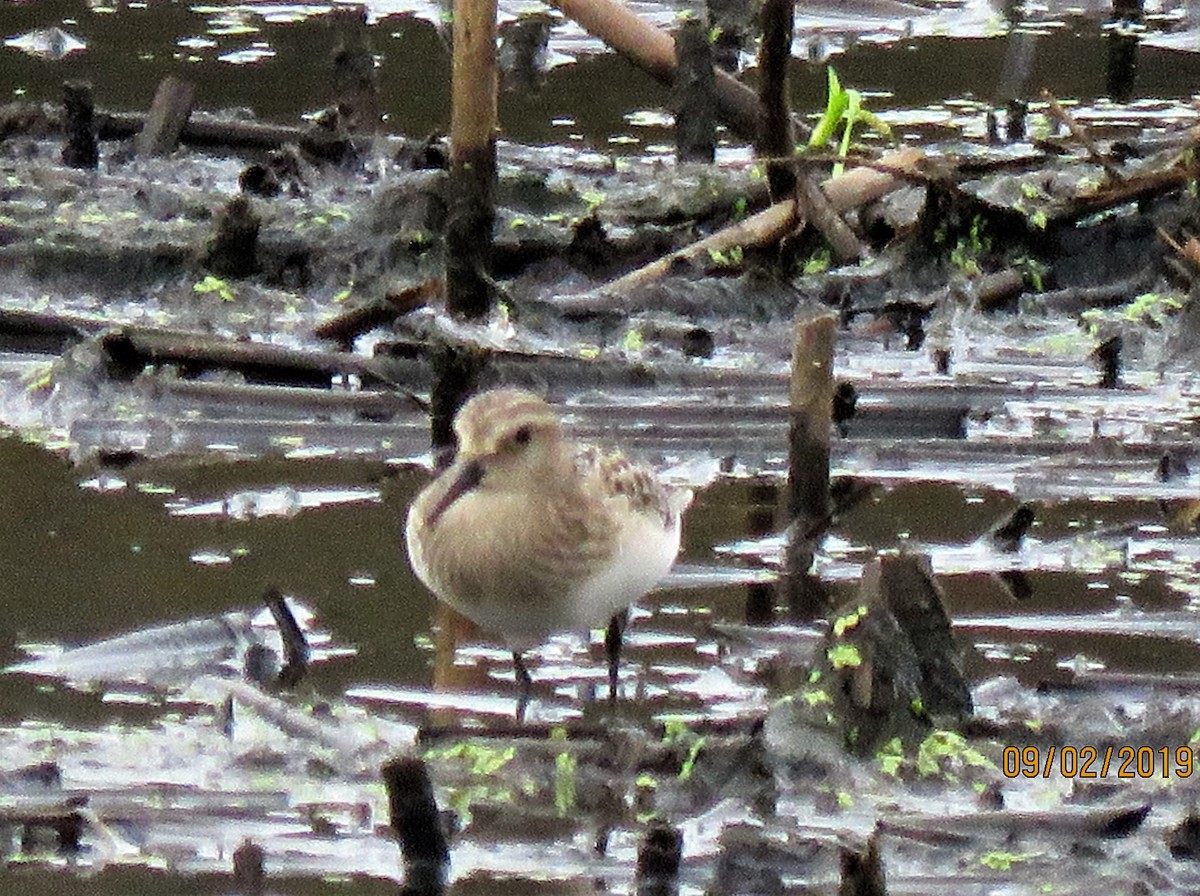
(819, 212)
(654, 51)
(346, 327)
(848, 191)
(417, 823)
(774, 56)
(1080, 133)
(811, 404)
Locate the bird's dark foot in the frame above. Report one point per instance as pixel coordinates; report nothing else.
(612, 648)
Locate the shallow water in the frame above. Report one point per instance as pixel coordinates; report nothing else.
(931, 72)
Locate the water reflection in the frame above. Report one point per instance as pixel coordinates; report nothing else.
(909, 59)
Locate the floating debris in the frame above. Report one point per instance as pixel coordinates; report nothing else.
(51, 44)
(172, 656)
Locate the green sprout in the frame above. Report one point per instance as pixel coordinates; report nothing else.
(850, 621)
(966, 252)
(942, 748)
(844, 656)
(565, 765)
(39, 378)
(727, 258)
(816, 697)
(483, 762)
(1034, 271)
(594, 199)
(844, 108)
(1001, 860)
(211, 284)
(677, 733)
(819, 262)
(890, 757)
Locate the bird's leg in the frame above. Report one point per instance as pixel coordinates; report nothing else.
(612, 648)
(524, 683)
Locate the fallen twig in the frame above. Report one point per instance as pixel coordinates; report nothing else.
(345, 327)
(858, 186)
(1080, 133)
(820, 213)
(653, 50)
(1075, 299)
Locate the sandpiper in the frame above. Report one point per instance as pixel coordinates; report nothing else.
(529, 532)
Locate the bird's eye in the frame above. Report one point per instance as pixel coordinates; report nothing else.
(523, 435)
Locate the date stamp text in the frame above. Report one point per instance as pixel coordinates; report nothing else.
(1098, 762)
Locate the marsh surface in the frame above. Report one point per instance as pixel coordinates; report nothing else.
(129, 504)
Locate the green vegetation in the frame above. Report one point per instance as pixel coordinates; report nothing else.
(211, 284)
(727, 258)
(942, 751)
(843, 624)
(482, 763)
(633, 341)
(967, 251)
(678, 734)
(844, 109)
(1002, 860)
(819, 262)
(844, 656)
(1150, 309)
(565, 767)
(941, 754)
(594, 199)
(1033, 270)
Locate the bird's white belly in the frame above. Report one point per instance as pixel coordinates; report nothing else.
(645, 554)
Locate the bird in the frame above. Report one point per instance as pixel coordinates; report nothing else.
(529, 532)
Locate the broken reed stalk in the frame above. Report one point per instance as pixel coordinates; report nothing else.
(653, 51)
(348, 326)
(693, 98)
(658, 860)
(204, 130)
(355, 78)
(472, 160)
(414, 816)
(80, 149)
(850, 190)
(811, 409)
(1108, 355)
(471, 214)
(775, 52)
(814, 207)
(1080, 133)
(232, 250)
(249, 877)
(169, 112)
(811, 403)
(862, 871)
(295, 644)
(761, 498)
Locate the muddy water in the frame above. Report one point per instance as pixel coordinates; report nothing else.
(92, 555)
(82, 565)
(927, 69)
(89, 555)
